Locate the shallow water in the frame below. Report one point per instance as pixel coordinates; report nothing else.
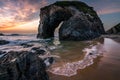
(17, 41)
(75, 63)
(105, 67)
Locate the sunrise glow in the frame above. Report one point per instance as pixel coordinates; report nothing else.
(22, 16)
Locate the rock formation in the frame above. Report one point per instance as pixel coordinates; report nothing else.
(1, 34)
(114, 30)
(24, 65)
(15, 35)
(80, 22)
(3, 42)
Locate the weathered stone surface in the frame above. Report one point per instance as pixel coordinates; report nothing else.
(24, 65)
(28, 67)
(80, 21)
(25, 45)
(114, 30)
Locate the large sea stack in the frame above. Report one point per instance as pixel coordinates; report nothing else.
(80, 21)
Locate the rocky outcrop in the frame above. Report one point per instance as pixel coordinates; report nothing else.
(80, 22)
(114, 30)
(3, 42)
(28, 67)
(24, 65)
(14, 35)
(1, 34)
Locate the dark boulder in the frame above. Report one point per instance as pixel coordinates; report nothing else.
(2, 52)
(114, 30)
(28, 67)
(25, 45)
(1, 34)
(81, 22)
(39, 51)
(24, 65)
(15, 35)
(3, 42)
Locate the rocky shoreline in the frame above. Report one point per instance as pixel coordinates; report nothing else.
(25, 65)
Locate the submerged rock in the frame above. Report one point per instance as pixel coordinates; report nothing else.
(80, 22)
(114, 30)
(3, 42)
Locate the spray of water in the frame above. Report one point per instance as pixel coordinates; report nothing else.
(56, 35)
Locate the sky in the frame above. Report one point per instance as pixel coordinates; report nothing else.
(22, 16)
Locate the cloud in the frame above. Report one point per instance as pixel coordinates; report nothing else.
(107, 11)
(15, 13)
(18, 12)
(29, 27)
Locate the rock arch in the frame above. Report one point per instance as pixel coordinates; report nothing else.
(80, 21)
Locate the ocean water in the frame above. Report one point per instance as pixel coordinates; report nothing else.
(104, 66)
(16, 42)
(98, 59)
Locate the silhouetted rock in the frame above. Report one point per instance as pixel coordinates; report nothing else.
(3, 42)
(25, 45)
(15, 35)
(1, 34)
(114, 30)
(81, 22)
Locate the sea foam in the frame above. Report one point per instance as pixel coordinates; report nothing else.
(70, 69)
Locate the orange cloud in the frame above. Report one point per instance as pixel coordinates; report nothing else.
(14, 14)
(29, 27)
(8, 22)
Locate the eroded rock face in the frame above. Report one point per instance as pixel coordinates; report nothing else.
(28, 67)
(24, 65)
(80, 21)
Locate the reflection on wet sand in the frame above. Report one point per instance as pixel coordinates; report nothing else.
(105, 67)
(82, 74)
(70, 68)
(79, 60)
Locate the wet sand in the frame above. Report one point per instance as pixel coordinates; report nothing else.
(106, 67)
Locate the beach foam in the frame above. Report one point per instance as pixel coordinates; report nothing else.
(70, 69)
